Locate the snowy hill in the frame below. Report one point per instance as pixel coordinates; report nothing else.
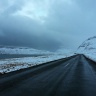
(20, 50)
(88, 46)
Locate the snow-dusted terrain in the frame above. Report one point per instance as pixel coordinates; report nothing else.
(88, 48)
(20, 50)
(8, 65)
(13, 64)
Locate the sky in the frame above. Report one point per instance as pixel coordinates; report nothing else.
(47, 24)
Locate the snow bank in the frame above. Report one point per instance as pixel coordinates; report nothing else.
(91, 56)
(8, 65)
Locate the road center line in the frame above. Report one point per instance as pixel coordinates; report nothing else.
(67, 65)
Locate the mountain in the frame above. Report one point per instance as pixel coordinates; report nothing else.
(88, 46)
(20, 50)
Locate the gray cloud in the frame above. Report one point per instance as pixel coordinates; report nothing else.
(25, 32)
(73, 20)
(68, 23)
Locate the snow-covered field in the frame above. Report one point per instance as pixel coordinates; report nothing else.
(13, 64)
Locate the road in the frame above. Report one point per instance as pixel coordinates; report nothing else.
(73, 76)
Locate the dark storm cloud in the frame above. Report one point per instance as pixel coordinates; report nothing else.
(67, 24)
(23, 32)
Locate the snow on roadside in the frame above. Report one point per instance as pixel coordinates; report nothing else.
(91, 56)
(13, 64)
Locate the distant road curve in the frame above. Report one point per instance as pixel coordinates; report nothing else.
(73, 76)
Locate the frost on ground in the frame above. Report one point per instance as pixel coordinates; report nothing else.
(91, 56)
(13, 64)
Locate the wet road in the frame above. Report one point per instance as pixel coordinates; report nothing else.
(74, 76)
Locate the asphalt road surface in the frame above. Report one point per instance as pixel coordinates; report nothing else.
(74, 76)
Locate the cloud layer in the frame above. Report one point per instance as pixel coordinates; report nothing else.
(46, 24)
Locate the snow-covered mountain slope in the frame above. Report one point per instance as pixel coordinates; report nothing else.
(21, 50)
(88, 46)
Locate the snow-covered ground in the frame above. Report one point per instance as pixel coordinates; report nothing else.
(91, 56)
(13, 64)
(21, 50)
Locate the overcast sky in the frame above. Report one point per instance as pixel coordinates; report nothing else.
(47, 24)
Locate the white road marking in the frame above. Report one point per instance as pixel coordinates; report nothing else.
(67, 64)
